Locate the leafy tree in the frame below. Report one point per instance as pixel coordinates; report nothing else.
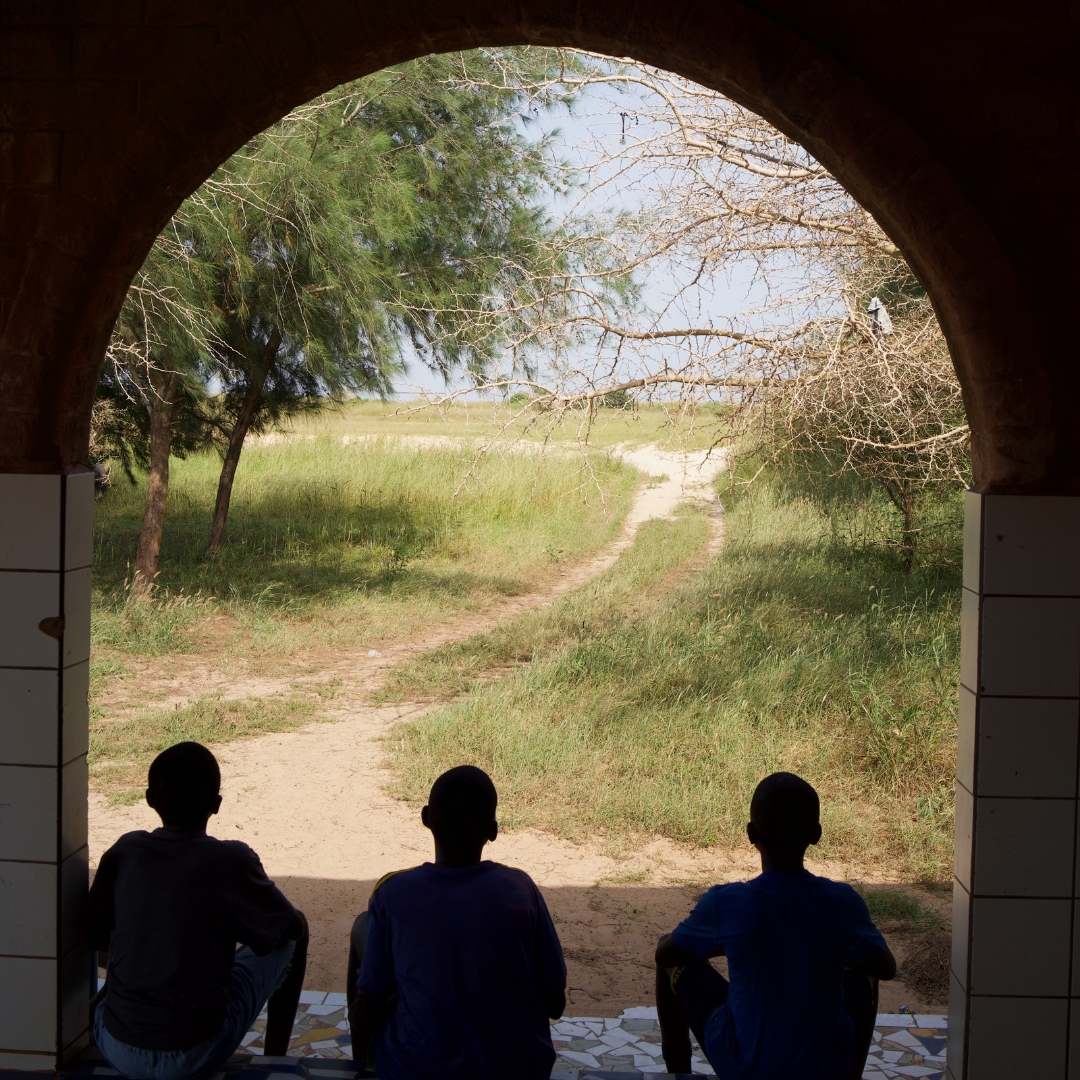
(364, 230)
(374, 222)
(150, 400)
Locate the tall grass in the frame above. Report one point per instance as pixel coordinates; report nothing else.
(331, 544)
(804, 646)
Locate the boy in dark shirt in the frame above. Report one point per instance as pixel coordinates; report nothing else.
(169, 907)
(803, 956)
(455, 967)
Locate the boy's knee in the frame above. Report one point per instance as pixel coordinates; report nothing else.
(298, 929)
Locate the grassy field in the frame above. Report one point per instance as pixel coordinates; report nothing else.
(331, 544)
(664, 425)
(804, 647)
(122, 748)
(650, 700)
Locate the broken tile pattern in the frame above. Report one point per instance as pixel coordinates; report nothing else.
(628, 1044)
(321, 1029)
(907, 1046)
(904, 1045)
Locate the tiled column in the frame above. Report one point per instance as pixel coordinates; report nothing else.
(1014, 1008)
(45, 545)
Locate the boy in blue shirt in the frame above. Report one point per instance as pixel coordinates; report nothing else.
(803, 956)
(455, 967)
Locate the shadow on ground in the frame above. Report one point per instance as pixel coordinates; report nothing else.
(608, 934)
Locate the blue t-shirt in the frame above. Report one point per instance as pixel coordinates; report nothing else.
(788, 936)
(472, 954)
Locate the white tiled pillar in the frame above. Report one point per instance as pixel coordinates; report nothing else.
(46, 532)
(1014, 1008)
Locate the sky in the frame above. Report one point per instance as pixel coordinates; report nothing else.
(581, 137)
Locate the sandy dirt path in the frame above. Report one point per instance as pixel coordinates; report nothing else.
(313, 804)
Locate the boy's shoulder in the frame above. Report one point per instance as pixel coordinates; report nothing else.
(430, 876)
(512, 873)
(209, 847)
(839, 892)
(393, 874)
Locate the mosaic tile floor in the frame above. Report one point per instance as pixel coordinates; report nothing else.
(907, 1045)
(321, 1029)
(904, 1045)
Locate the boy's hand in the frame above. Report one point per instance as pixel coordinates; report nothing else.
(881, 967)
(555, 1004)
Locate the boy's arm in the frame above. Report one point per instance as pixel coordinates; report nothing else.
(261, 916)
(669, 955)
(872, 955)
(880, 967)
(548, 965)
(297, 929)
(366, 1013)
(375, 980)
(555, 1003)
(103, 904)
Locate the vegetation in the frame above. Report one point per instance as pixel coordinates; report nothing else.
(808, 646)
(897, 907)
(650, 700)
(364, 228)
(338, 544)
(121, 750)
(399, 219)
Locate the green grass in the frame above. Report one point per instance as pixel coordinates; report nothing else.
(332, 545)
(630, 590)
(121, 750)
(897, 906)
(803, 647)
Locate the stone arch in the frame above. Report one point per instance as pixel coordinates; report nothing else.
(138, 115)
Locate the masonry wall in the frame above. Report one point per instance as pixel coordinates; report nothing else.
(46, 530)
(1014, 1009)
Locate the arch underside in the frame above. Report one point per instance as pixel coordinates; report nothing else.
(901, 107)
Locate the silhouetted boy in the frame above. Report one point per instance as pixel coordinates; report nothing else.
(803, 956)
(170, 906)
(455, 967)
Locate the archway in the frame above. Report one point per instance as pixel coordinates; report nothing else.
(114, 117)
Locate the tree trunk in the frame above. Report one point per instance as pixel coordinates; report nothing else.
(236, 440)
(148, 552)
(903, 498)
(911, 534)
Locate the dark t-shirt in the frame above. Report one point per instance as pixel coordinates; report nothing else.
(175, 903)
(473, 955)
(788, 936)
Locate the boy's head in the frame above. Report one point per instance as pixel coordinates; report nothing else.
(184, 785)
(461, 809)
(784, 816)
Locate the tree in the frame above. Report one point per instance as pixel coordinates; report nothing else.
(376, 218)
(363, 230)
(150, 394)
(881, 401)
(684, 187)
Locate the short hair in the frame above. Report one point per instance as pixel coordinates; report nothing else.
(184, 780)
(785, 811)
(463, 801)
